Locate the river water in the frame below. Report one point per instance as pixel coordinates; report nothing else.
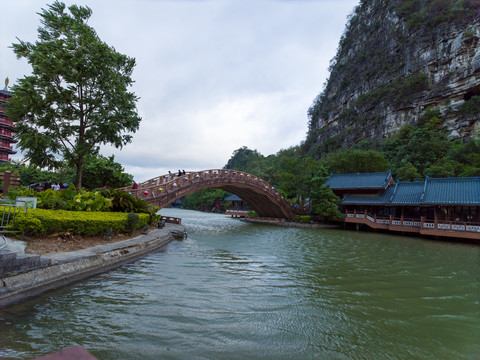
(233, 290)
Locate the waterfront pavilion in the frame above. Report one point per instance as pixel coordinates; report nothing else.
(441, 207)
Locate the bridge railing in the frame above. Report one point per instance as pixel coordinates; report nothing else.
(165, 184)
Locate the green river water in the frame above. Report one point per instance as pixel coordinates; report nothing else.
(234, 290)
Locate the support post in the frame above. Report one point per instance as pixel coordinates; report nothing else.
(6, 182)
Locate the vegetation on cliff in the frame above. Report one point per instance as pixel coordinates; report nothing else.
(378, 71)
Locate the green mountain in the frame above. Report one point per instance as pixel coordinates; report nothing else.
(395, 60)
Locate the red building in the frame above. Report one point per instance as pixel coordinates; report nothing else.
(6, 128)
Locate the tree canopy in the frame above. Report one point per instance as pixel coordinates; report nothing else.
(77, 97)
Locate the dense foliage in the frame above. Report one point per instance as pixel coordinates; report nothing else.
(428, 15)
(77, 97)
(99, 171)
(415, 151)
(297, 177)
(206, 198)
(426, 149)
(89, 201)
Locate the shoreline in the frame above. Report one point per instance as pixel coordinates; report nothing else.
(64, 268)
(279, 222)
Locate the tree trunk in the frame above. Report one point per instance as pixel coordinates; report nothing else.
(78, 184)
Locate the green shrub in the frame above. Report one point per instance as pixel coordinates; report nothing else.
(132, 221)
(27, 224)
(90, 201)
(54, 203)
(125, 202)
(306, 219)
(252, 213)
(78, 222)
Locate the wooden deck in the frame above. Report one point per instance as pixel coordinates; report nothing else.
(452, 229)
(172, 220)
(237, 213)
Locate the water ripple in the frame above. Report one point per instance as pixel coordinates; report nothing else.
(236, 290)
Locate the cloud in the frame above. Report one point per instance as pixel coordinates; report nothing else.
(212, 76)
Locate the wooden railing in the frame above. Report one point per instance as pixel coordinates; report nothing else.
(172, 220)
(422, 225)
(236, 213)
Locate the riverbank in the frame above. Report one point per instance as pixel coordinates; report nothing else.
(286, 223)
(62, 268)
(57, 243)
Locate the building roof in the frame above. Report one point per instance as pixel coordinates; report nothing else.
(444, 191)
(407, 193)
(378, 180)
(232, 197)
(5, 92)
(452, 191)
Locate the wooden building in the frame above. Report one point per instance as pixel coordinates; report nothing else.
(439, 207)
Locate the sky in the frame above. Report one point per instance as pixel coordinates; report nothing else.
(212, 75)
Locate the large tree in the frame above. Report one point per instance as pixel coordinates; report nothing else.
(77, 97)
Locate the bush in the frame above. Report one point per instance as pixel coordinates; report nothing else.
(125, 202)
(305, 219)
(132, 222)
(28, 225)
(75, 222)
(252, 213)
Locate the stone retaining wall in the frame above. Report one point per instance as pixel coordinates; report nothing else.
(30, 275)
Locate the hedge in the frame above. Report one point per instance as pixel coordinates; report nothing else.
(40, 222)
(306, 219)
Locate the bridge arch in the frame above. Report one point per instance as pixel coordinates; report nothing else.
(262, 197)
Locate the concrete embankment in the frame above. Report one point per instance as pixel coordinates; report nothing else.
(63, 268)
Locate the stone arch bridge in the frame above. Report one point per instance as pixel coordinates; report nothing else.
(262, 197)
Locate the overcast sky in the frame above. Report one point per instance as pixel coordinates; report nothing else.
(212, 76)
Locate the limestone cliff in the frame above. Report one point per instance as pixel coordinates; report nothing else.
(396, 59)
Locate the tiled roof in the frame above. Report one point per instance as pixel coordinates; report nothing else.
(232, 197)
(445, 191)
(453, 191)
(408, 193)
(359, 181)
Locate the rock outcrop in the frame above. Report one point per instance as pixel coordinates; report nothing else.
(396, 59)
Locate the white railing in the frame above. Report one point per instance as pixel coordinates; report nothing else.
(414, 223)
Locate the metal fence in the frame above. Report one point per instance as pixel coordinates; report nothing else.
(9, 209)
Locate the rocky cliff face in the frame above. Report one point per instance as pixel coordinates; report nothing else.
(396, 59)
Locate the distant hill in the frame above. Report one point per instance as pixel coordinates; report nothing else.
(395, 60)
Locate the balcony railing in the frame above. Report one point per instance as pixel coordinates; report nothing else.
(5, 122)
(420, 225)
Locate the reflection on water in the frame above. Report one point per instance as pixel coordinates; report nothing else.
(233, 290)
